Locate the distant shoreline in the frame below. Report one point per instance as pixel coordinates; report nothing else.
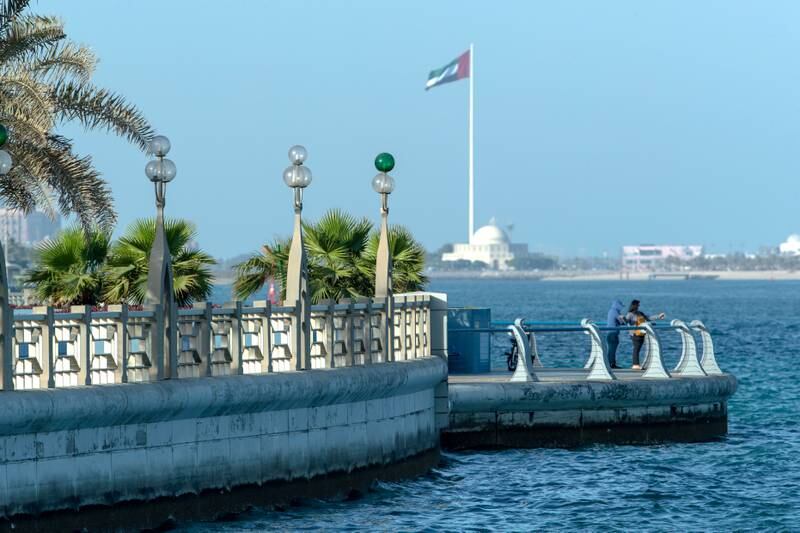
(751, 275)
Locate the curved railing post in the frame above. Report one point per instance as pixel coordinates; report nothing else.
(534, 349)
(653, 365)
(709, 361)
(597, 365)
(688, 365)
(523, 371)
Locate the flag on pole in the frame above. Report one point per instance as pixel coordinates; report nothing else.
(458, 69)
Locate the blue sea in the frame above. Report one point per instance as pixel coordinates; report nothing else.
(748, 480)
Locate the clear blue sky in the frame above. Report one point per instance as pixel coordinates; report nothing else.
(597, 123)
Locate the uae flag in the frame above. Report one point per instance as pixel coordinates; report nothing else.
(457, 69)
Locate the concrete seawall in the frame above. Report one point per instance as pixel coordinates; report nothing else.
(63, 449)
(568, 413)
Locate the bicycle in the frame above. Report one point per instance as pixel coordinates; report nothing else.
(512, 356)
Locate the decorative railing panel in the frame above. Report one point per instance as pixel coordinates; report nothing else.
(283, 344)
(81, 346)
(144, 344)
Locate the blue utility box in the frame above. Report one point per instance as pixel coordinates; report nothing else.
(468, 352)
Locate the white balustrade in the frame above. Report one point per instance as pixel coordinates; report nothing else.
(52, 348)
(597, 366)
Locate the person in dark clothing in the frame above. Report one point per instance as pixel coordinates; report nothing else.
(635, 317)
(615, 319)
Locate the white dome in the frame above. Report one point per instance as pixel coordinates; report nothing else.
(490, 234)
(793, 238)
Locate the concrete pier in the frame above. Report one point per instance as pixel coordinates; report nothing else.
(562, 408)
(546, 406)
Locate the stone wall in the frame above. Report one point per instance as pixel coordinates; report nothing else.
(68, 448)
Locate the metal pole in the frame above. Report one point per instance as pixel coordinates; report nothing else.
(471, 142)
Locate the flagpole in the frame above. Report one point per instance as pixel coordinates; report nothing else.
(471, 142)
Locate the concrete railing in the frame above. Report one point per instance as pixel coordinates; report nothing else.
(51, 348)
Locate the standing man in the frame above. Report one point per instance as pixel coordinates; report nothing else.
(636, 318)
(615, 319)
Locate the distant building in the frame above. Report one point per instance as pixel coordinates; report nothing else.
(791, 246)
(648, 257)
(490, 245)
(26, 230)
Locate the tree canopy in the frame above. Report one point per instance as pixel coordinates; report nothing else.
(86, 267)
(45, 80)
(341, 250)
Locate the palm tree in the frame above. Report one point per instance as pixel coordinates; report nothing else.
(408, 261)
(259, 268)
(341, 260)
(68, 268)
(45, 81)
(334, 243)
(127, 265)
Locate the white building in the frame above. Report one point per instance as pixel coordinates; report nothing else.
(791, 246)
(490, 245)
(647, 257)
(26, 229)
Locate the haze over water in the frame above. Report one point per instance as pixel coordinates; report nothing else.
(748, 480)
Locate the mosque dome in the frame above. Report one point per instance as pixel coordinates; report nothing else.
(490, 234)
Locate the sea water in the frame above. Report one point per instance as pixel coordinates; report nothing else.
(748, 480)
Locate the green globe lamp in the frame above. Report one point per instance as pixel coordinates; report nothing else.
(383, 183)
(384, 162)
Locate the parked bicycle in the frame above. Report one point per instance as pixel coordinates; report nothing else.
(512, 356)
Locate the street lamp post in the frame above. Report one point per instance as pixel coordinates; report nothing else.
(383, 184)
(159, 277)
(7, 364)
(5, 158)
(298, 177)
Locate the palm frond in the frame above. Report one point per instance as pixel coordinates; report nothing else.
(28, 92)
(76, 183)
(23, 123)
(44, 81)
(65, 61)
(99, 108)
(10, 9)
(27, 35)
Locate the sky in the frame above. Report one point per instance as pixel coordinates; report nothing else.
(597, 124)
